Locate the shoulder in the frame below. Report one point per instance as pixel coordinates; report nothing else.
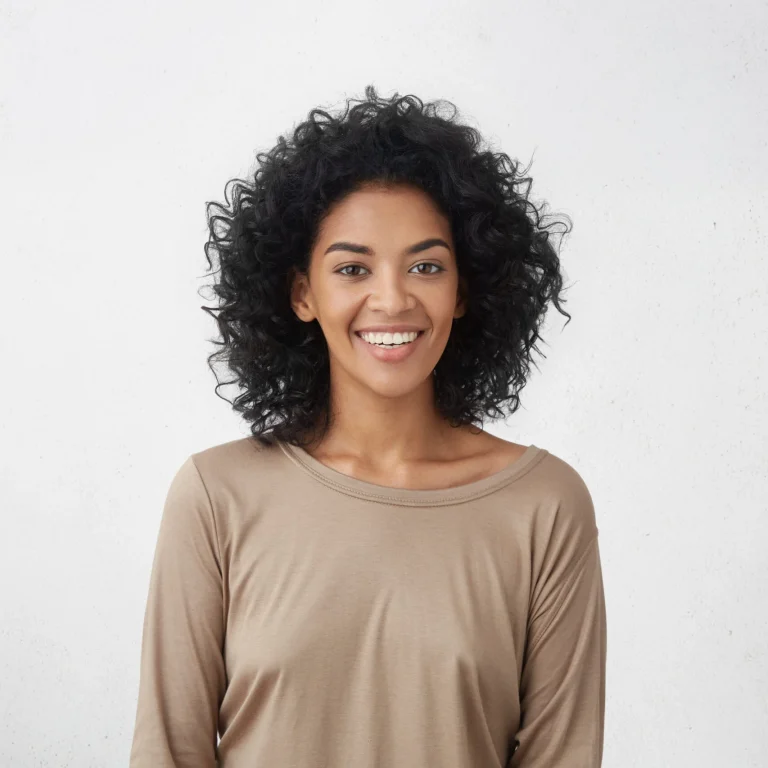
(218, 483)
(238, 468)
(565, 523)
(563, 531)
(228, 464)
(562, 481)
(231, 453)
(232, 457)
(555, 478)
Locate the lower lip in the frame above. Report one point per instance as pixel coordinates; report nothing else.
(391, 354)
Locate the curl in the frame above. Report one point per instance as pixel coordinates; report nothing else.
(267, 224)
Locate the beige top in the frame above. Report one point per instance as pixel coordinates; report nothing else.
(309, 619)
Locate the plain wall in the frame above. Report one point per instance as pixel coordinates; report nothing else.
(646, 124)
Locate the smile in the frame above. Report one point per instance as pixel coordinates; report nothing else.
(391, 353)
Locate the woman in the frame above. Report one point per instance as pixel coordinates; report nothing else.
(369, 578)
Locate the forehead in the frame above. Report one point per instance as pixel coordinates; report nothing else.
(374, 210)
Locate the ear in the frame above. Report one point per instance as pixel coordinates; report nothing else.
(300, 295)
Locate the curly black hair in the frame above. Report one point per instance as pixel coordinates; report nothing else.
(267, 228)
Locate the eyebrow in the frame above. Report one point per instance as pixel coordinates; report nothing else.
(365, 250)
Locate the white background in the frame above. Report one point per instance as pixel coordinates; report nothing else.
(646, 123)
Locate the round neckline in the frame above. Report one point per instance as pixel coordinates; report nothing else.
(364, 489)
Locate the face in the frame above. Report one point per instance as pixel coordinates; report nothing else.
(383, 257)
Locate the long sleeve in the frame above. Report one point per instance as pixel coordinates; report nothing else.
(182, 672)
(562, 680)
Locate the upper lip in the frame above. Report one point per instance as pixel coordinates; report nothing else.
(389, 329)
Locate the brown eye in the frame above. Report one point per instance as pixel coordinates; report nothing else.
(349, 266)
(438, 268)
(430, 264)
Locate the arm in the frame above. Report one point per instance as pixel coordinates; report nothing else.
(182, 673)
(563, 680)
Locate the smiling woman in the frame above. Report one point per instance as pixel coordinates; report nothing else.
(382, 181)
(393, 281)
(369, 578)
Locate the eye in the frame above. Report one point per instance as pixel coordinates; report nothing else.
(430, 264)
(349, 266)
(438, 268)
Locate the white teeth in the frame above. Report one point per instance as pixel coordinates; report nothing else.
(389, 339)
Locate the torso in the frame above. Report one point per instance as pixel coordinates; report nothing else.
(477, 456)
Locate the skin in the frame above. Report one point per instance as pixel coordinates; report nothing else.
(385, 427)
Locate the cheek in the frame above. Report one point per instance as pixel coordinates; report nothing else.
(340, 318)
(442, 314)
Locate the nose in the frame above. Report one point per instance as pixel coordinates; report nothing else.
(390, 293)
